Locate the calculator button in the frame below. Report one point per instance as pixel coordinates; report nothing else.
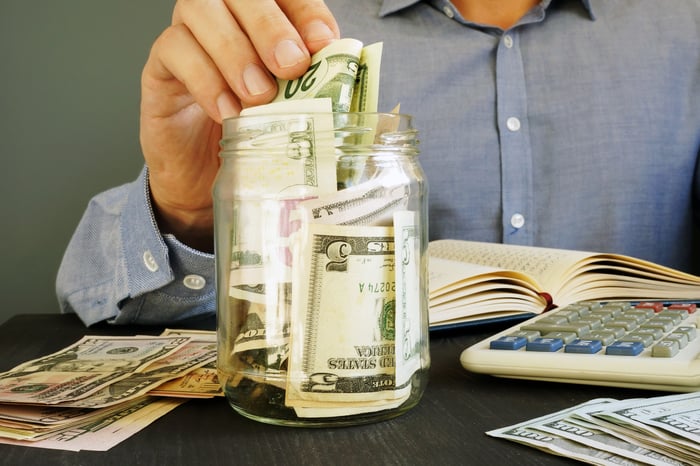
(566, 337)
(508, 343)
(656, 306)
(625, 348)
(665, 349)
(690, 308)
(549, 345)
(569, 314)
(682, 314)
(617, 308)
(581, 309)
(584, 347)
(680, 338)
(579, 329)
(645, 340)
(688, 330)
(603, 316)
(616, 331)
(623, 323)
(593, 323)
(675, 316)
(553, 320)
(592, 305)
(662, 324)
(640, 315)
(614, 309)
(655, 333)
(527, 335)
(605, 336)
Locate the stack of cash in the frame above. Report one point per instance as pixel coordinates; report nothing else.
(100, 390)
(662, 430)
(316, 266)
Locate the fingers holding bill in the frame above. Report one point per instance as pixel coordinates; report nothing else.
(285, 33)
(220, 36)
(313, 21)
(251, 43)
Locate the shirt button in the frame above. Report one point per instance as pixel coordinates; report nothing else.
(150, 261)
(194, 282)
(513, 124)
(508, 41)
(517, 221)
(448, 12)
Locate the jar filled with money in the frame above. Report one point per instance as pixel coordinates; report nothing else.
(321, 236)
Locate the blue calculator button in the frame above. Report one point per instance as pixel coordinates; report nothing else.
(584, 346)
(625, 348)
(508, 343)
(549, 345)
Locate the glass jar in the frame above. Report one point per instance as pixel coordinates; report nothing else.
(321, 262)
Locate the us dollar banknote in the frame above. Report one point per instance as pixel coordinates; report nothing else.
(365, 97)
(299, 159)
(593, 437)
(370, 203)
(669, 423)
(83, 368)
(202, 382)
(98, 432)
(527, 434)
(332, 74)
(343, 347)
(192, 355)
(657, 431)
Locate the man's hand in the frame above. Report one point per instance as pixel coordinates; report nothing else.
(216, 57)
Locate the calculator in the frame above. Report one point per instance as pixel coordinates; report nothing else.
(651, 345)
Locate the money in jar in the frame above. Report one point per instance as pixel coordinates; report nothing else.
(321, 235)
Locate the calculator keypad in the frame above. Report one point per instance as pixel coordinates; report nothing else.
(615, 328)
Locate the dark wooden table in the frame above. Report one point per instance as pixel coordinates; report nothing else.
(447, 427)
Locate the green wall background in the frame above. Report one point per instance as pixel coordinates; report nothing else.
(69, 100)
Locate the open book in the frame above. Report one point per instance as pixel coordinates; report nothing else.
(473, 282)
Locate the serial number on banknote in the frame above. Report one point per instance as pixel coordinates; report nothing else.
(377, 287)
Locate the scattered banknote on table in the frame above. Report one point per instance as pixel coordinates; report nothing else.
(100, 390)
(663, 430)
(99, 432)
(200, 382)
(322, 235)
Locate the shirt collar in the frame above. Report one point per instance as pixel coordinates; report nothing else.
(392, 6)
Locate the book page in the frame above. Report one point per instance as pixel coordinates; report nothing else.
(570, 276)
(548, 267)
(460, 291)
(446, 275)
(608, 276)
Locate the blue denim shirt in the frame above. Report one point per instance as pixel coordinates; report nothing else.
(577, 128)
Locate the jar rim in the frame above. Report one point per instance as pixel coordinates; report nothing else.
(373, 131)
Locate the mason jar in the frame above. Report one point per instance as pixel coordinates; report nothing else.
(321, 263)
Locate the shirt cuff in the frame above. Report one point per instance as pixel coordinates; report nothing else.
(172, 280)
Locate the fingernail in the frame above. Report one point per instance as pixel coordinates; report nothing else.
(227, 106)
(318, 31)
(288, 54)
(256, 80)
